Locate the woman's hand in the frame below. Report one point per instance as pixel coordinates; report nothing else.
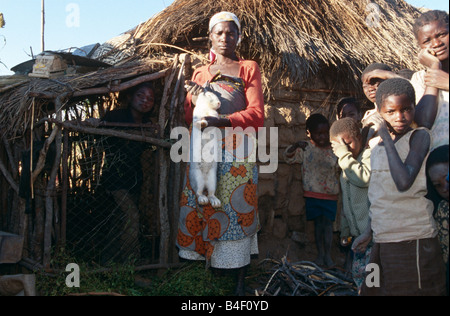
(194, 89)
(212, 121)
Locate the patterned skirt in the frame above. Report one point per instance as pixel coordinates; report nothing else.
(224, 236)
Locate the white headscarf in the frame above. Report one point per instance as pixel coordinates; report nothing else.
(224, 16)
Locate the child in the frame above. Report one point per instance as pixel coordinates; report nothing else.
(320, 182)
(122, 175)
(431, 85)
(371, 77)
(406, 250)
(437, 172)
(354, 160)
(348, 107)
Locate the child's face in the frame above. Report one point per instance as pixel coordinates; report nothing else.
(398, 112)
(320, 136)
(438, 176)
(350, 110)
(370, 88)
(354, 144)
(143, 100)
(434, 37)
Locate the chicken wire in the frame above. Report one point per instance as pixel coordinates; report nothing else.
(111, 216)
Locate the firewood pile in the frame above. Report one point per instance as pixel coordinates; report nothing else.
(303, 278)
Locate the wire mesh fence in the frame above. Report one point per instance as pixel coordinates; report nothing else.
(112, 212)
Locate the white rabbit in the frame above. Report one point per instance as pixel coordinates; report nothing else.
(203, 170)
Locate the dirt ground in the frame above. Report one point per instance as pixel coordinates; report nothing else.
(303, 249)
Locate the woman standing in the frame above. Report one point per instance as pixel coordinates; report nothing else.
(227, 236)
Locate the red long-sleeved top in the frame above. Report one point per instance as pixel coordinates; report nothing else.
(253, 115)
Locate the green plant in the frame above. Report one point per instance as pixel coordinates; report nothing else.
(116, 278)
(192, 279)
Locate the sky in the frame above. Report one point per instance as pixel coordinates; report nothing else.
(77, 23)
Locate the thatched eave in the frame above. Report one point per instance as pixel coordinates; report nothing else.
(25, 94)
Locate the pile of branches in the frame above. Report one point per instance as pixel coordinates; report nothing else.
(304, 278)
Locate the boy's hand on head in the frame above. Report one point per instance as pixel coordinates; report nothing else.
(339, 146)
(337, 143)
(382, 74)
(428, 58)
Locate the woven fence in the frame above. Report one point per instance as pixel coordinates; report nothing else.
(59, 173)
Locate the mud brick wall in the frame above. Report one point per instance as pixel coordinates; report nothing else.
(281, 202)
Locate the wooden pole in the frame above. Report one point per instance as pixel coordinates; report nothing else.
(49, 206)
(42, 25)
(103, 90)
(130, 135)
(163, 174)
(65, 188)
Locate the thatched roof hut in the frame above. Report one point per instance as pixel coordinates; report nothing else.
(297, 39)
(44, 122)
(311, 53)
(19, 99)
(297, 43)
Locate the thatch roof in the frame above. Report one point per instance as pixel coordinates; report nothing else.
(35, 95)
(294, 42)
(296, 39)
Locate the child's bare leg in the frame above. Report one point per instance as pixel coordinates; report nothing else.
(319, 239)
(328, 241)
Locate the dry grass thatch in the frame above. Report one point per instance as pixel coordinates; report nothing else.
(293, 41)
(296, 38)
(33, 96)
